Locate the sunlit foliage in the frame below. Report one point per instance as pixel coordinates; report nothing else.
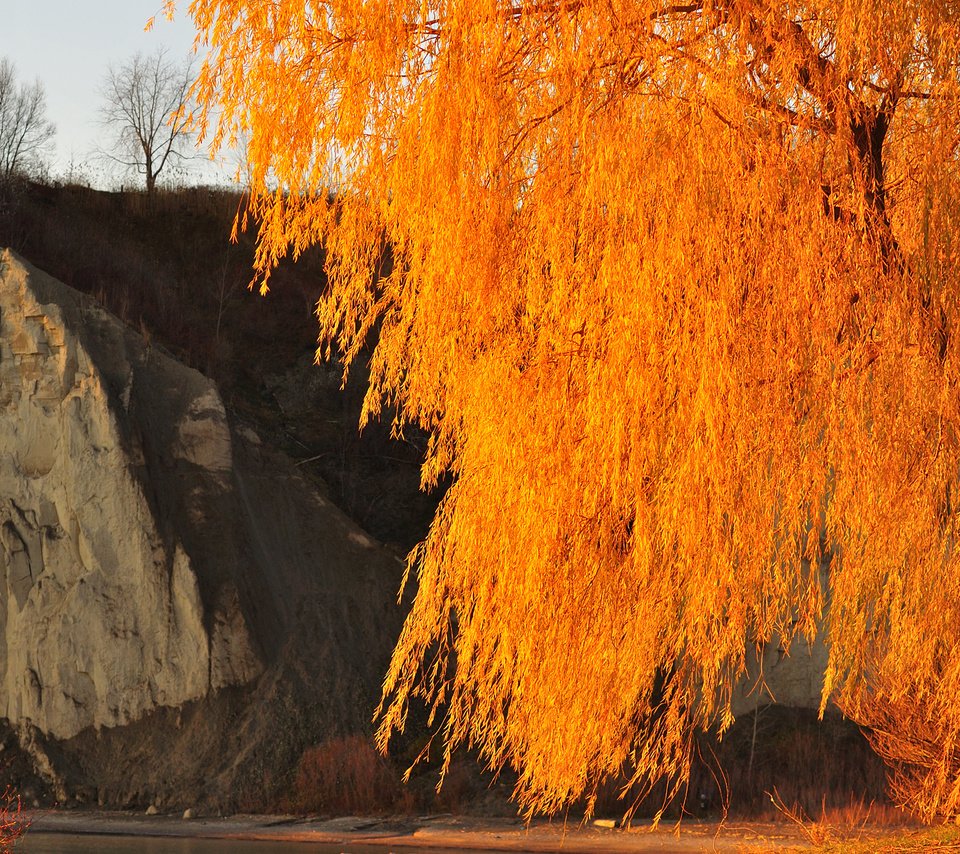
(673, 289)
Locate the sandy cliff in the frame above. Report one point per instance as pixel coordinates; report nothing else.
(177, 605)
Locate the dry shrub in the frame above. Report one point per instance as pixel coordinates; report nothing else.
(345, 776)
(771, 763)
(12, 822)
(918, 739)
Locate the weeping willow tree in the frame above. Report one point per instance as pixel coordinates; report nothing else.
(673, 291)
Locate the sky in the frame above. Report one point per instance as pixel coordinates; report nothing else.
(67, 45)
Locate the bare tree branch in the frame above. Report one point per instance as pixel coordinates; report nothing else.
(24, 129)
(145, 105)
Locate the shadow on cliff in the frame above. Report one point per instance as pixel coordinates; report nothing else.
(163, 264)
(186, 612)
(315, 597)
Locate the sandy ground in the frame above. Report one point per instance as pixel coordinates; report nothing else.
(435, 832)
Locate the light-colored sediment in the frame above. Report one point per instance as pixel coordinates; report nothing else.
(181, 612)
(101, 618)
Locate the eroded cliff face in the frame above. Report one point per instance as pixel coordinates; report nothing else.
(182, 613)
(101, 618)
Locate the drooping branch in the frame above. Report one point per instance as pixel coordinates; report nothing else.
(647, 301)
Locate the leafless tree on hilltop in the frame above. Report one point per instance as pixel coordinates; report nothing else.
(145, 105)
(24, 129)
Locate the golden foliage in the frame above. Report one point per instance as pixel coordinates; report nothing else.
(672, 287)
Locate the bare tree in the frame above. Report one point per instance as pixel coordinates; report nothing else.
(146, 106)
(24, 129)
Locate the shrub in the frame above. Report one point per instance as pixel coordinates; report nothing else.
(12, 822)
(345, 776)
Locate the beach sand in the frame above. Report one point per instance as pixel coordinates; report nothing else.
(437, 832)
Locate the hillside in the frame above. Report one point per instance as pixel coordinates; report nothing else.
(164, 264)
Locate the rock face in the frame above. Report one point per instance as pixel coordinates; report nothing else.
(103, 617)
(786, 676)
(154, 556)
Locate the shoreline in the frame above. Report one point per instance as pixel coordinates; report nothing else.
(437, 832)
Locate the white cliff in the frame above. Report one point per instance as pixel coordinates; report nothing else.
(101, 614)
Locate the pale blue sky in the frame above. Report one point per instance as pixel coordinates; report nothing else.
(68, 44)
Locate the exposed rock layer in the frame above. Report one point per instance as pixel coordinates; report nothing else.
(154, 557)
